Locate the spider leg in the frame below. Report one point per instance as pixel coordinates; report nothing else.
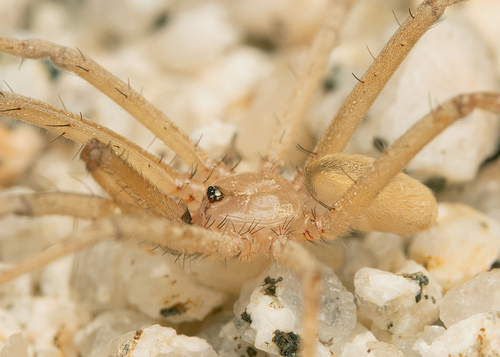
(82, 130)
(355, 200)
(122, 182)
(121, 93)
(302, 262)
(310, 75)
(356, 105)
(71, 204)
(177, 236)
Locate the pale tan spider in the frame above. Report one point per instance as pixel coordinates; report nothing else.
(224, 215)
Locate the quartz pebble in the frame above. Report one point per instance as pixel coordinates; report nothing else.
(478, 335)
(377, 250)
(366, 345)
(234, 345)
(195, 38)
(400, 303)
(387, 249)
(283, 21)
(423, 340)
(153, 283)
(16, 345)
(463, 243)
(457, 153)
(155, 341)
(479, 294)
(10, 336)
(482, 194)
(269, 310)
(94, 337)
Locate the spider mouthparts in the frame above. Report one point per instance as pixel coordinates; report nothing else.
(186, 217)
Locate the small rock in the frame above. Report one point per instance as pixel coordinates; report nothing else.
(425, 338)
(457, 153)
(478, 335)
(269, 313)
(366, 345)
(400, 303)
(95, 336)
(114, 275)
(463, 243)
(195, 38)
(16, 345)
(479, 294)
(156, 341)
(234, 345)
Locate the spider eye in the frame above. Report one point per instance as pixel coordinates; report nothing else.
(214, 194)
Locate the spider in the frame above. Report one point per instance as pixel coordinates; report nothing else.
(226, 215)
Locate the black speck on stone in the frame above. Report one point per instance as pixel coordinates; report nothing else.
(245, 316)
(270, 285)
(380, 144)
(495, 265)
(421, 279)
(287, 342)
(177, 309)
(251, 352)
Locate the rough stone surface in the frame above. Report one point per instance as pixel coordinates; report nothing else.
(11, 338)
(463, 243)
(16, 345)
(94, 337)
(158, 341)
(234, 345)
(272, 306)
(366, 345)
(114, 275)
(482, 194)
(400, 303)
(456, 154)
(478, 335)
(479, 294)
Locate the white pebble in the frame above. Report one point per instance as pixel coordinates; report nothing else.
(479, 294)
(116, 275)
(195, 38)
(463, 243)
(424, 339)
(234, 345)
(400, 303)
(16, 345)
(271, 308)
(478, 335)
(426, 73)
(95, 336)
(8, 328)
(366, 345)
(156, 341)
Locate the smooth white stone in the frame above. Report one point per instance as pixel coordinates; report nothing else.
(457, 153)
(400, 303)
(477, 295)
(463, 243)
(272, 305)
(156, 341)
(366, 345)
(478, 335)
